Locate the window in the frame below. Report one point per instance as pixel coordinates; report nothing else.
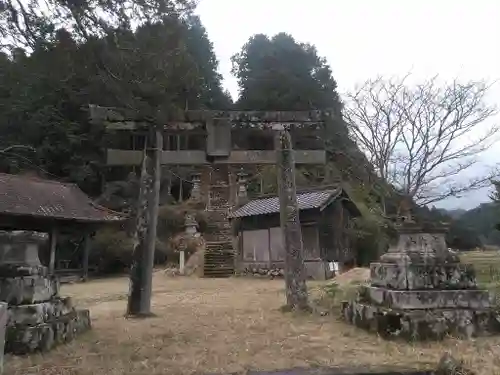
(256, 245)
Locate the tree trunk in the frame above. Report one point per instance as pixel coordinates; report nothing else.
(295, 276)
(141, 270)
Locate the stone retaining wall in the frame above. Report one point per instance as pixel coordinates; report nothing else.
(315, 270)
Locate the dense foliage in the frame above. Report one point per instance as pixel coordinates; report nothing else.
(55, 69)
(154, 57)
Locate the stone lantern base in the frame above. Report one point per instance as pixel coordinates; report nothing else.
(421, 324)
(420, 290)
(37, 317)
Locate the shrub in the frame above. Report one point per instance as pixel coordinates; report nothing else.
(112, 248)
(111, 251)
(171, 218)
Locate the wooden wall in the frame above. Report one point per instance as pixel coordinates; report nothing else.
(334, 235)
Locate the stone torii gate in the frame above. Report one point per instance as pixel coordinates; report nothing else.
(215, 146)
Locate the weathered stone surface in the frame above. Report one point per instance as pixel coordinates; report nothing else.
(28, 289)
(40, 312)
(3, 326)
(100, 114)
(421, 324)
(425, 299)
(44, 336)
(266, 271)
(420, 290)
(9, 270)
(423, 276)
(315, 270)
(417, 247)
(35, 318)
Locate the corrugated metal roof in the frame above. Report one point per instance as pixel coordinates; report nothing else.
(263, 206)
(29, 196)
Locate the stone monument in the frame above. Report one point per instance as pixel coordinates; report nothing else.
(420, 290)
(37, 317)
(190, 232)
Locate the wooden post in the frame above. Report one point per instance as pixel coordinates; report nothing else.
(4, 316)
(182, 262)
(85, 259)
(137, 305)
(295, 275)
(180, 189)
(153, 208)
(141, 271)
(53, 243)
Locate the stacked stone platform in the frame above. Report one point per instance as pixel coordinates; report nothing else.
(420, 290)
(37, 317)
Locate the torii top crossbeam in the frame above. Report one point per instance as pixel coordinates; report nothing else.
(218, 128)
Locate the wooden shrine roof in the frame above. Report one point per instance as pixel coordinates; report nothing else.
(31, 197)
(305, 201)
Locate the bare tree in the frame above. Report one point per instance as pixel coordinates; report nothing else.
(420, 138)
(495, 195)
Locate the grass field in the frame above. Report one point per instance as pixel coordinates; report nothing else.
(222, 326)
(486, 263)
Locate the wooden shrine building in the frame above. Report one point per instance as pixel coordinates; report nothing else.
(210, 149)
(33, 204)
(325, 218)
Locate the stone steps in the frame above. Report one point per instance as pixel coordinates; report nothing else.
(218, 260)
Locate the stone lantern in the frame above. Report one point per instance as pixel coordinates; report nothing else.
(196, 189)
(242, 194)
(420, 289)
(190, 231)
(37, 318)
(21, 247)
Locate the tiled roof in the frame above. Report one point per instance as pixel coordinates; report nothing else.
(28, 196)
(265, 206)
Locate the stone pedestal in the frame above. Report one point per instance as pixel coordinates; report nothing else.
(420, 290)
(37, 317)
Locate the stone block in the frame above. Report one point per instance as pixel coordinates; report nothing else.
(421, 324)
(388, 275)
(38, 313)
(28, 289)
(20, 270)
(425, 299)
(43, 337)
(423, 276)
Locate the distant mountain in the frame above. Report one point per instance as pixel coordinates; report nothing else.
(454, 214)
(468, 228)
(483, 221)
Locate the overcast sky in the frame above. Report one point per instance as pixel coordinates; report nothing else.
(365, 38)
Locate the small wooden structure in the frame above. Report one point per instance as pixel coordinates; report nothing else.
(40, 205)
(325, 217)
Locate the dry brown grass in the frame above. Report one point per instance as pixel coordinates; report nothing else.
(221, 326)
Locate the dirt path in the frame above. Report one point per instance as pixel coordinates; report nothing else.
(222, 326)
